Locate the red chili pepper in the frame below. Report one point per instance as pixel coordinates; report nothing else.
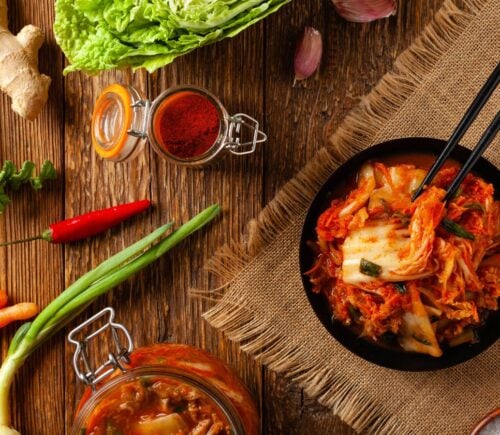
(88, 224)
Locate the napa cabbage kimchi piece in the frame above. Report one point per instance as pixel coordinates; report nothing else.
(425, 271)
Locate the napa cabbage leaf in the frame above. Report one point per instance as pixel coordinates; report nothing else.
(97, 35)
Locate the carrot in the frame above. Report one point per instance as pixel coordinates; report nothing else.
(21, 311)
(3, 298)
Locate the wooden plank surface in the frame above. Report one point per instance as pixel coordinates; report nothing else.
(250, 73)
(355, 58)
(34, 272)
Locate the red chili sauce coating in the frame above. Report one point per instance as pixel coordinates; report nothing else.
(155, 405)
(187, 124)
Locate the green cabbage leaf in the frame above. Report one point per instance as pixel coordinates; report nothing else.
(97, 35)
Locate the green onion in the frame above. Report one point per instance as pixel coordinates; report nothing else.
(180, 409)
(354, 313)
(457, 230)
(475, 206)
(385, 205)
(78, 296)
(400, 287)
(18, 336)
(145, 381)
(457, 193)
(469, 296)
(111, 429)
(421, 340)
(368, 268)
(94, 275)
(403, 217)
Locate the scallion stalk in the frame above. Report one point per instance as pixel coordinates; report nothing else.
(78, 296)
(92, 276)
(366, 267)
(456, 229)
(400, 287)
(475, 206)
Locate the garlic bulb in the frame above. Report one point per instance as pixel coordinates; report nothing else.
(364, 11)
(308, 53)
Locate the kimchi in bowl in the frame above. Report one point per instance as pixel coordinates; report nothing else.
(406, 285)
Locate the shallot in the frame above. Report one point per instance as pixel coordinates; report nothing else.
(308, 53)
(364, 11)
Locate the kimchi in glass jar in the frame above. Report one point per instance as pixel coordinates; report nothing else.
(165, 389)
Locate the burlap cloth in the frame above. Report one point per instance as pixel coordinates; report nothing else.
(264, 306)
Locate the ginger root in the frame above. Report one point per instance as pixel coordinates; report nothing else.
(19, 75)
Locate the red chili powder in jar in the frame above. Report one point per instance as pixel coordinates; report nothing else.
(187, 124)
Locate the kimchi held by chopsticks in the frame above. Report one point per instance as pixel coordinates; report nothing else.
(424, 273)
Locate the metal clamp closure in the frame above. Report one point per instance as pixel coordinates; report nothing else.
(237, 124)
(92, 376)
(136, 107)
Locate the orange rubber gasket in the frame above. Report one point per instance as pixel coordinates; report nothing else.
(124, 96)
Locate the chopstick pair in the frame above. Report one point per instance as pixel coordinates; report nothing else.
(487, 137)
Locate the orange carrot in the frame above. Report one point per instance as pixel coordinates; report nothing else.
(3, 298)
(21, 311)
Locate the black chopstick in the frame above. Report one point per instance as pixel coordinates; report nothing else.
(477, 152)
(469, 117)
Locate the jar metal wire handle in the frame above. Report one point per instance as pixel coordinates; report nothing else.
(92, 376)
(138, 106)
(237, 124)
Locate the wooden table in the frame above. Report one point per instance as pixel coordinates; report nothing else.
(251, 73)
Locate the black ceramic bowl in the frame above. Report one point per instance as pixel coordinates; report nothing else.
(392, 357)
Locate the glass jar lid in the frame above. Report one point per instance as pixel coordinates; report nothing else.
(119, 122)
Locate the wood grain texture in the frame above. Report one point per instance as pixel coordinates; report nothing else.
(33, 272)
(251, 73)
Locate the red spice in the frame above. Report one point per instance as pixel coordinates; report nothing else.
(187, 124)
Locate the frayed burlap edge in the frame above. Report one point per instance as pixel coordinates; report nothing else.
(357, 132)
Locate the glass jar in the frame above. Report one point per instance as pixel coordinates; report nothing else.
(156, 389)
(124, 119)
